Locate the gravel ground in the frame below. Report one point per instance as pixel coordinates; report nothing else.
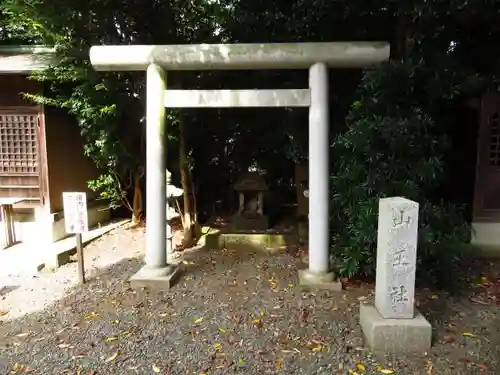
(230, 313)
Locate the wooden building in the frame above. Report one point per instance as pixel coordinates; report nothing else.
(486, 208)
(41, 154)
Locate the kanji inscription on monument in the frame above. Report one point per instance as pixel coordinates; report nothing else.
(396, 257)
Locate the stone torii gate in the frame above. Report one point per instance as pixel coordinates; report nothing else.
(317, 57)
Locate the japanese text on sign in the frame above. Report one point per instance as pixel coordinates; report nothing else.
(75, 212)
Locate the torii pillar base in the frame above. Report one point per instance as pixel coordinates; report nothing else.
(161, 279)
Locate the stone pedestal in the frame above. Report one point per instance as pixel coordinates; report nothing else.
(392, 325)
(396, 336)
(322, 280)
(155, 278)
(250, 223)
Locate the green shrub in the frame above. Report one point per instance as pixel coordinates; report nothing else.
(393, 147)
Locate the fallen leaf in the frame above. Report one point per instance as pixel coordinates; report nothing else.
(222, 330)
(272, 283)
(18, 367)
(468, 334)
(110, 339)
(386, 371)
(352, 372)
(477, 301)
(218, 346)
(429, 368)
(482, 367)
(291, 285)
(262, 313)
(92, 315)
(125, 333)
(434, 297)
(3, 312)
(241, 361)
(198, 321)
(334, 306)
(361, 367)
(317, 348)
(156, 368)
(116, 321)
(257, 323)
(279, 364)
(113, 357)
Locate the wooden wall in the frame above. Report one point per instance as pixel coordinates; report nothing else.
(68, 168)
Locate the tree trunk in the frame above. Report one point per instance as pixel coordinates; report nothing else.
(137, 203)
(189, 221)
(399, 47)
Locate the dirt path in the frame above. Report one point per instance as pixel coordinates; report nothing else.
(229, 313)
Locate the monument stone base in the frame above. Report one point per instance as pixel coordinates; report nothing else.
(250, 223)
(325, 281)
(155, 278)
(395, 336)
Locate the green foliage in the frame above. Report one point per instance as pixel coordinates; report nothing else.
(393, 147)
(108, 107)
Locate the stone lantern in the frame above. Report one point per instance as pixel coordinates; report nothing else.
(172, 193)
(251, 188)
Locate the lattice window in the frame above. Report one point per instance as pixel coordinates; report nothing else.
(494, 151)
(18, 144)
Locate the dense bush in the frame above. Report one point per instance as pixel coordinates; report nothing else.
(393, 147)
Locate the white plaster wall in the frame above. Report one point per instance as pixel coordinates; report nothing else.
(486, 234)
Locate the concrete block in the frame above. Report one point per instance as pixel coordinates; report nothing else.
(325, 281)
(250, 223)
(59, 259)
(395, 336)
(156, 278)
(210, 238)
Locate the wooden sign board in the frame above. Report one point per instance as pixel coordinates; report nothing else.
(75, 212)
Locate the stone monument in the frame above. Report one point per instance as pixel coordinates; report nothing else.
(393, 326)
(250, 216)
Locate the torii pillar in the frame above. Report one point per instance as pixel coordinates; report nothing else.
(317, 57)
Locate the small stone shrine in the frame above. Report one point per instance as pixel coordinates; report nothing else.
(172, 192)
(250, 216)
(393, 326)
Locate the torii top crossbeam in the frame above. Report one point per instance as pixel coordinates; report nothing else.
(239, 56)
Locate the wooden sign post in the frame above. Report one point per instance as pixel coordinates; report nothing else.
(76, 221)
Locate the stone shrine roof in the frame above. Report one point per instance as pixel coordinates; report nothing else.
(251, 181)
